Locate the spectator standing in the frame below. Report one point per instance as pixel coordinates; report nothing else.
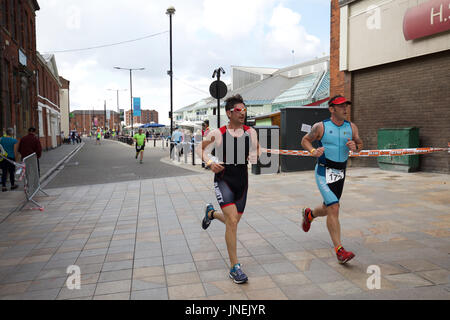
(9, 144)
(30, 144)
(205, 128)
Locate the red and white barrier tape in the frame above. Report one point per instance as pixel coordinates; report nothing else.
(21, 165)
(363, 153)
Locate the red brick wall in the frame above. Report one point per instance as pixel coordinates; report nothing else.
(409, 93)
(340, 81)
(16, 34)
(79, 122)
(146, 117)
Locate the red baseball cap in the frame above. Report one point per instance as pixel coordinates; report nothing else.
(338, 100)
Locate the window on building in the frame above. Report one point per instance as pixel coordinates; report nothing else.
(41, 124)
(12, 18)
(15, 95)
(49, 132)
(25, 31)
(30, 37)
(19, 21)
(37, 82)
(4, 9)
(24, 103)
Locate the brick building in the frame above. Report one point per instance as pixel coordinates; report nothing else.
(147, 116)
(84, 121)
(18, 65)
(392, 59)
(49, 111)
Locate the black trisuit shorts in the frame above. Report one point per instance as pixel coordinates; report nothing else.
(231, 186)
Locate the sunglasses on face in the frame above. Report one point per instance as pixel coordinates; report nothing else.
(238, 109)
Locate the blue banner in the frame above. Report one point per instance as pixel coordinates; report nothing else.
(137, 107)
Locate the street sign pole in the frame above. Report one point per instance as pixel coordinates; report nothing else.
(218, 90)
(218, 102)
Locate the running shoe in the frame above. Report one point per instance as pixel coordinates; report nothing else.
(4, 189)
(14, 187)
(207, 220)
(238, 275)
(344, 256)
(306, 225)
(140, 161)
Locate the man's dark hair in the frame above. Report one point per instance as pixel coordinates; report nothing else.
(32, 130)
(232, 101)
(206, 122)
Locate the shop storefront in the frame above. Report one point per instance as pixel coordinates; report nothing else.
(396, 60)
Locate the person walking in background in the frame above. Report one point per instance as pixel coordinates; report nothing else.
(99, 136)
(9, 144)
(73, 137)
(139, 138)
(177, 138)
(205, 128)
(30, 144)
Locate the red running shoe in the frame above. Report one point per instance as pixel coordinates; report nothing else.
(344, 256)
(306, 225)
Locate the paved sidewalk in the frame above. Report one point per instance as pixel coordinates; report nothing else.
(143, 240)
(49, 161)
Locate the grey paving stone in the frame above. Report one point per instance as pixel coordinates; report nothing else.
(148, 262)
(177, 259)
(152, 294)
(40, 285)
(84, 291)
(117, 265)
(108, 276)
(113, 287)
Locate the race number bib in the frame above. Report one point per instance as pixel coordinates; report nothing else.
(334, 175)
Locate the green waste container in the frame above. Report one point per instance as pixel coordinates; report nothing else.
(397, 139)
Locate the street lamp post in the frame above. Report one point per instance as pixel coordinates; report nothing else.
(131, 91)
(118, 106)
(117, 91)
(171, 11)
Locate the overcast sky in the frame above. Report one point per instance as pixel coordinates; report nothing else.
(207, 34)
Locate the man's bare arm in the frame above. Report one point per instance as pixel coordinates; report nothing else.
(358, 141)
(255, 149)
(315, 134)
(208, 144)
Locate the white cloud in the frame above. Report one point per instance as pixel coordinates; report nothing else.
(288, 34)
(233, 19)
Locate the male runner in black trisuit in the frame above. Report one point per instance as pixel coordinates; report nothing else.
(235, 145)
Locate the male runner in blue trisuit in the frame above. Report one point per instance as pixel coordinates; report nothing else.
(336, 137)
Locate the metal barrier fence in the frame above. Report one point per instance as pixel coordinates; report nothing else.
(32, 184)
(151, 142)
(185, 152)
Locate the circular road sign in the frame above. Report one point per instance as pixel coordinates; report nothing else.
(218, 89)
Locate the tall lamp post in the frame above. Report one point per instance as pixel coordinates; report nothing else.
(131, 92)
(171, 11)
(117, 91)
(118, 107)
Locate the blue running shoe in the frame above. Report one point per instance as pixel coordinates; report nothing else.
(207, 220)
(238, 275)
